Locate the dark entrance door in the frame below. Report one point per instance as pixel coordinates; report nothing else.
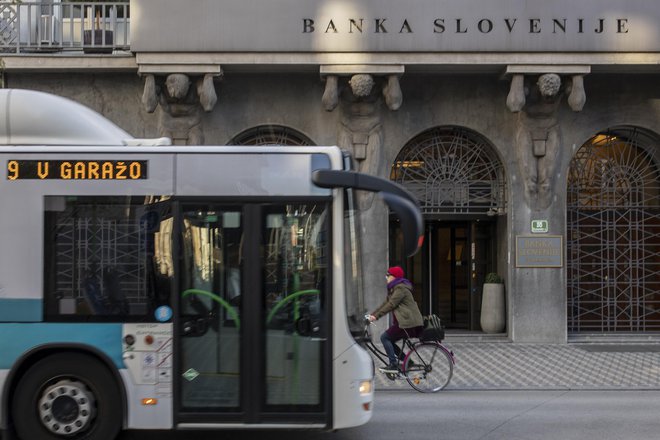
(448, 274)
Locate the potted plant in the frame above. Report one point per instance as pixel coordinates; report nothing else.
(493, 311)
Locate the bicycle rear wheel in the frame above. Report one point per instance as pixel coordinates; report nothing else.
(428, 367)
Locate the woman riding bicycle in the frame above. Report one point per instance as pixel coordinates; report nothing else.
(407, 320)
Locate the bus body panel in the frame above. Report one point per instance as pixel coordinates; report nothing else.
(248, 175)
(3, 382)
(351, 407)
(351, 363)
(75, 185)
(18, 339)
(158, 416)
(62, 121)
(172, 171)
(148, 376)
(145, 369)
(21, 284)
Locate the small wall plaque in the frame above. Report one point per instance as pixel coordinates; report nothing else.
(539, 226)
(539, 251)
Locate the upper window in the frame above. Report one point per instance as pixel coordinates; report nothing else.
(452, 170)
(271, 135)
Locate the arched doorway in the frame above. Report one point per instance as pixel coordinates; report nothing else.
(613, 233)
(271, 135)
(460, 183)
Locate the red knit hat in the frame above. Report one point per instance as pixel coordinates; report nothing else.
(396, 271)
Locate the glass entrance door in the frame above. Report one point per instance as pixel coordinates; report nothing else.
(448, 274)
(449, 248)
(253, 313)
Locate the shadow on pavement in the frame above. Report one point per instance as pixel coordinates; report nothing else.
(345, 434)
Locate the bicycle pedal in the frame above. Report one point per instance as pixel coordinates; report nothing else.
(395, 376)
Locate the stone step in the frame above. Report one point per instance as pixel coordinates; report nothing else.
(459, 336)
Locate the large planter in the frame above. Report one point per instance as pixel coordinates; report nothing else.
(493, 311)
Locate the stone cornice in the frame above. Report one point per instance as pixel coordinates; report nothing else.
(68, 63)
(474, 62)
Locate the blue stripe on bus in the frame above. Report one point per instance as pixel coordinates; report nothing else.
(17, 339)
(20, 310)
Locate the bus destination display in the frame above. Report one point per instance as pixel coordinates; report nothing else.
(77, 169)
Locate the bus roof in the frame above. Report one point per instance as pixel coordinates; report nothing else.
(28, 117)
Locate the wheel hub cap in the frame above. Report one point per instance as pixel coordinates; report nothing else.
(67, 407)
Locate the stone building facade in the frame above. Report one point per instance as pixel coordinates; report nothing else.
(529, 130)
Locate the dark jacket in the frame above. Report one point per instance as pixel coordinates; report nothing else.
(400, 300)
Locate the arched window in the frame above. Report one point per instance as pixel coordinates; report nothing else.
(452, 170)
(271, 135)
(613, 226)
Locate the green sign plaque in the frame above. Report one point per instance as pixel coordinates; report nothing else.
(539, 226)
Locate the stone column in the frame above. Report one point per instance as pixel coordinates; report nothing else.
(538, 294)
(360, 99)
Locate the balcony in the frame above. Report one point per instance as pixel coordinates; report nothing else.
(75, 26)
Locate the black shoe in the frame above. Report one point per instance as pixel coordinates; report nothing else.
(390, 369)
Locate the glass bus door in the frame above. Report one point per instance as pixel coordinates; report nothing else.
(253, 313)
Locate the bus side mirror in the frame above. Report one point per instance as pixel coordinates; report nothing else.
(412, 224)
(400, 200)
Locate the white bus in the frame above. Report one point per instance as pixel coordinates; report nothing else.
(150, 286)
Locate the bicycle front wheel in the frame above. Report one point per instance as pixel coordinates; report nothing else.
(428, 367)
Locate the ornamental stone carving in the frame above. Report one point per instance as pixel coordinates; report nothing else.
(538, 139)
(360, 100)
(577, 97)
(515, 100)
(538, 134)
(181, 105)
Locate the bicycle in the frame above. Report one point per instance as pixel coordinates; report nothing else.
(427, 364)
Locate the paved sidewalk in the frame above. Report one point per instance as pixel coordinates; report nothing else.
(511, 366)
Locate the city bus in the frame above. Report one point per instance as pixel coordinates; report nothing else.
(159, 287)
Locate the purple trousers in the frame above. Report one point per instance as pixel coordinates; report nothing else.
(393, 334)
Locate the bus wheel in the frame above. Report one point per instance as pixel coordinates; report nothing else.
(67, 396)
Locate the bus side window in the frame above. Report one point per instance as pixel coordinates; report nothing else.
(107, 258)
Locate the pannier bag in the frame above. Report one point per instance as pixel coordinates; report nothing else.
(433, 330)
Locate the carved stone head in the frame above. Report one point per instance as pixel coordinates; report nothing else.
(361, 84)
(549, 84)
(177, 85)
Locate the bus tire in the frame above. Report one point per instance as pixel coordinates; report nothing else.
(67, 396)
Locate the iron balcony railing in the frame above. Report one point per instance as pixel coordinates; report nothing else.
(91, 27)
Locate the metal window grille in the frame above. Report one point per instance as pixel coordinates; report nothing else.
(271, 135)
(613, 226)
(452, 170)
(88, 245)
(8, 26)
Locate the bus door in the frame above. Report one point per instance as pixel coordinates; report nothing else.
(253, 314)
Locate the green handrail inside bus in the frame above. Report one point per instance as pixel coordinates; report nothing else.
(217, 299)
(286, 299)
